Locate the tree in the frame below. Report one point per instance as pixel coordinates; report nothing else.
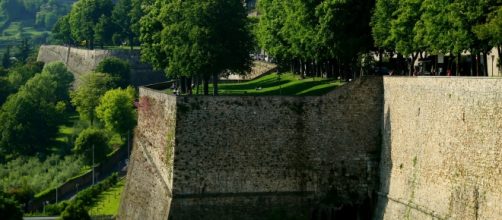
(380, 23)
(75, 211)
(116, 110)
(197, 38)
(62, 76)
(92, 138)
(402, 30)
(269, 34)
(30, 117)
(19, 75)
(87, 95)
(103, 31)
(6, 58)
(9, 209)
(126, 15)
(24, 50)
(85, 15)
(491, 30)
(341, 34)
(117, 68)
(62, 30)
(5, 89)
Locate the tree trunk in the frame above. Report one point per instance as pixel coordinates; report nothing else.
(198, 85)
(183, 88)
(131, 40)
(411, 63)
(499, 61)
(477, 64)
(215, 84)
(457, 70)
(485, 63)
(189, 85)
(302, 69)
(206, 85)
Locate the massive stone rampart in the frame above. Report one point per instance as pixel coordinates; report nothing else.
(442, 149)
(253, 157)
(437, 141)
(82, 61)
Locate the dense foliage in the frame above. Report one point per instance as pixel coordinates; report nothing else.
(412, 28)
(315, 37)
(196, 39)
(30, 117)
(117, 68)
(9, 208)
(75, 211)
(86, 96)
(116, 110)
(100, 21)
(92, 143)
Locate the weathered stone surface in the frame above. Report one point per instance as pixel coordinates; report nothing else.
(442, 149)
(82, 61)
(247, 157)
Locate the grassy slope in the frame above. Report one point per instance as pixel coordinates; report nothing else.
(285, 84)
(109, 201)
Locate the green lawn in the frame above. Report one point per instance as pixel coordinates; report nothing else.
(274, 84)
(108, 202)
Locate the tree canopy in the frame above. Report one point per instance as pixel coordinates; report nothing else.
(30, 116)
(116, 110)
(197, 38)
(87, 95)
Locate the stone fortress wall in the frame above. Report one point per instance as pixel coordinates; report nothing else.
(426, 148)
(243, 157)
(442, 149)
(82, 61)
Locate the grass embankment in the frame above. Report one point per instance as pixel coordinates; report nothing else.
(108, 202)
(275, 84)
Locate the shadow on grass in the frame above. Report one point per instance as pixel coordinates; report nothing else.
(298, 88)
(265, 83)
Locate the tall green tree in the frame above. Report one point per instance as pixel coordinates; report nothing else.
(30, 117)
(126, 15)
(491, 30)
(116, 110)
(380, 22)
(88, 93)
(269, 29)
(402, 31)
(103, 31)
(62, 76)
(197, 38)
(62, 30)
(84, 16)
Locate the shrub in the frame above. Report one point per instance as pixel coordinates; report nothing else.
(9, 208)
(89, 138)
(75, 211)
(117, 68)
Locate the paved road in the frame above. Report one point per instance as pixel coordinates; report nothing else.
(40, 218)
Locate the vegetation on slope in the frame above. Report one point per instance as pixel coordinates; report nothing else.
(108, 202)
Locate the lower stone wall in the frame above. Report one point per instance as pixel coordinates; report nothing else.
(82, 61)
(442, 149)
